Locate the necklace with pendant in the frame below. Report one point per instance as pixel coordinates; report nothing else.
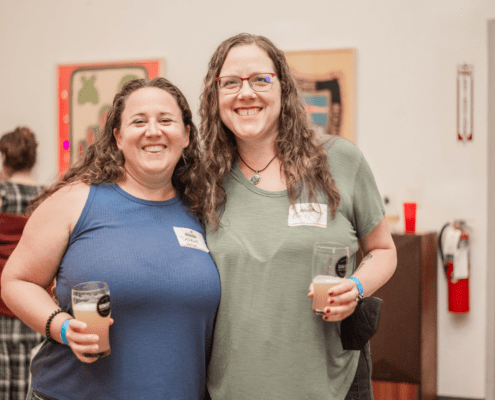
(256, 178)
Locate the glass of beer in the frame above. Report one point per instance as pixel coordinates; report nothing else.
(91, 304)
(329, 268)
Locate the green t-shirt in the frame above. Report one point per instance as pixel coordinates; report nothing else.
(267, 343)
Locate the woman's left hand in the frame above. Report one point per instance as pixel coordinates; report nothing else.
(342, 300)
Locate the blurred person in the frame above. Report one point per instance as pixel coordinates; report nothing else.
(18, 188)
(124, 216)
(18, 150)
(268, 179)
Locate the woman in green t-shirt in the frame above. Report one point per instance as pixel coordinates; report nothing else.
(262, 159)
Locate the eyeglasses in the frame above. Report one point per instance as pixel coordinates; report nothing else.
(258, 82)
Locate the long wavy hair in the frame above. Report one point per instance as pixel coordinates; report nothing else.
(104, 162)
(303, 160)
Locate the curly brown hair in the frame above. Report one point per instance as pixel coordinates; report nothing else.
(19, 148)
(104, 162)
(303, 160)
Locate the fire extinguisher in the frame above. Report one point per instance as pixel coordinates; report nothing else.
(453, 245)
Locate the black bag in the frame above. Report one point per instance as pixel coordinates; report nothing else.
(358, 328)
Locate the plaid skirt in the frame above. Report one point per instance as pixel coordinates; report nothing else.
(16, 342)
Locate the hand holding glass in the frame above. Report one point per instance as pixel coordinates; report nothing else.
(91, 304)
(329, 268)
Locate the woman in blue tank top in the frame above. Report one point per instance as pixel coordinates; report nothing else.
(126, 215)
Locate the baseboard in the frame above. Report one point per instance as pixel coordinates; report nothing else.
(456, 398)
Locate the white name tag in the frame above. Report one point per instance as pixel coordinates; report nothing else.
(189, 238)
(310, 214)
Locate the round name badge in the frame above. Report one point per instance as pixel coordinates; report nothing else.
(341, 267)
(103, 307)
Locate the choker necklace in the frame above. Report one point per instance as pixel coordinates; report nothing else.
(256, 178)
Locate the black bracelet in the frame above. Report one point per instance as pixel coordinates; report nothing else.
(49, 321)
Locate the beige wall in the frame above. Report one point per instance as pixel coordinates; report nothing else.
(407, 53)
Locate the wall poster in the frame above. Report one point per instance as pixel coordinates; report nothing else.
(326, 80)
(85, 94)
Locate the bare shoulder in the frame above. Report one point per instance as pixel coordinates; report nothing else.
(73, 190)
(68, 196)
(65, 205)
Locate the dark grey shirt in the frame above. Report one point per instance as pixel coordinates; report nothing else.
(16, 197)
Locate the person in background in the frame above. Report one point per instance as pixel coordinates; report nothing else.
(261, 161)
(18, 149)
(124, 216)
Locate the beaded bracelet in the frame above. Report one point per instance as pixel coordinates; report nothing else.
(49, 321)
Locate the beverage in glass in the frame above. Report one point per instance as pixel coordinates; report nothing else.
(91, 304)
(329, 268)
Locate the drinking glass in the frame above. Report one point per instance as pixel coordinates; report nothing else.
(91, 304)
(410, 217)
(329, 268)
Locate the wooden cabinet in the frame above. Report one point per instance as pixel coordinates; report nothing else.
(404, 349)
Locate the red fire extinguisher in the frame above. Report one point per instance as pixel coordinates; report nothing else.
(453, 245)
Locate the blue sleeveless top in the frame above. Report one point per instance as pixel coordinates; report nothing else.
(164, 300)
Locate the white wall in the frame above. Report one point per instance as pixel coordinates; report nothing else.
(407, 53)
(490, 365)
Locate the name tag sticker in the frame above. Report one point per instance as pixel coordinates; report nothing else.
(189, 238)
(309, 214)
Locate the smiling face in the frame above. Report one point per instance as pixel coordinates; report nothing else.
(152, 136)
(251, 116)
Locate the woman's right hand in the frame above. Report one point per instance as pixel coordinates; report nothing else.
(82, 342)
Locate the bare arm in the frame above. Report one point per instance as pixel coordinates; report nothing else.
(35, 262)
(379, 261)
(376, 268)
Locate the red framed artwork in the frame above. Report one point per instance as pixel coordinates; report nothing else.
(85, 94)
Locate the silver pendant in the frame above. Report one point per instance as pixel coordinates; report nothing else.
(255, 179)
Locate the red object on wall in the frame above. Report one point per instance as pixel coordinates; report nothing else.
(458, 290)
(153, 68)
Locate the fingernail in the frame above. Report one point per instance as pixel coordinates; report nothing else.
(331, 301)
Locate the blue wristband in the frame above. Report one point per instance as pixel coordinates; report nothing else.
(65, 325)
(358, 283)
